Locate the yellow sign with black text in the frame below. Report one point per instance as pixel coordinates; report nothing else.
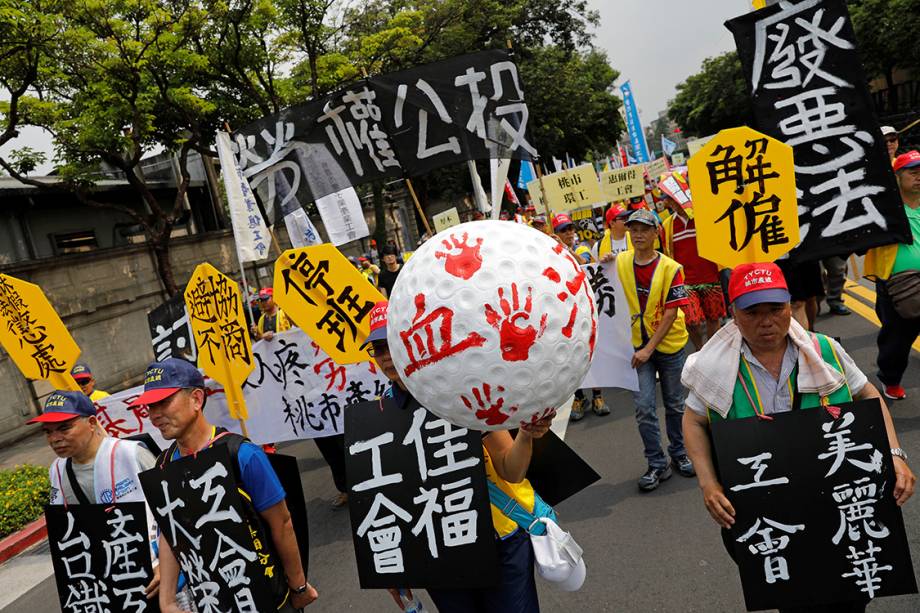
(319, 289)
(34, 335)
(572, 188)
(215, 311)
(744, 198)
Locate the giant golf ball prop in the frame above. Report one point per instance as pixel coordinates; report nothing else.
(491, 324)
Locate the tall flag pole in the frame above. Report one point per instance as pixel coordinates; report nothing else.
(634, 126)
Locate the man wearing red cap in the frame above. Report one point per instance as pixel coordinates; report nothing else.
(85, 453)
(273, 319)
(890, 266)
(369, 271)
(765, 362)
(615, 239)
(507, 459)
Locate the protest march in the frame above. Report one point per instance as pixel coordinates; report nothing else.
(415, 307)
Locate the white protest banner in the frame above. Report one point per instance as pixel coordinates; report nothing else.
(342, 216)
(301, 230)
(295, 392)
(613, 354)
(249, 231)
(498, 172)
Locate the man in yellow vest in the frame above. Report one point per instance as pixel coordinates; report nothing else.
(368, 271)
(87, 382)
(273, 319)
(773, 364)
(654, 287)
(615, 238)
(898, 333)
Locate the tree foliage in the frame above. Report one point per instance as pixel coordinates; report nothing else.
(714, 98)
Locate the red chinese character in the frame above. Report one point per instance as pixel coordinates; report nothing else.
(430, 338)
(334, 371)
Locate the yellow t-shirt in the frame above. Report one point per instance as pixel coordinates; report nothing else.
(98, 395)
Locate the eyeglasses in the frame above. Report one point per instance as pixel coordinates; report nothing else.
(264, 298)
(378, 348)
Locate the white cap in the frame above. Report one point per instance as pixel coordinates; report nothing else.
(559, 558)
(886, 130)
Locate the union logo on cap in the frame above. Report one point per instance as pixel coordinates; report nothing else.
(378, 316)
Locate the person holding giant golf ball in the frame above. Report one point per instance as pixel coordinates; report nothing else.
(506, 461)
(654, 287)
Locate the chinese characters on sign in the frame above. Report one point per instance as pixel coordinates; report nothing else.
(101, 556)
(589, 223)
(320, 290)
(810, 92)
(572, 189)
(418, 499)
(403, 123)
(295, 392)
(33, 335)
(623, 183)
(249, 230)
(228, 561)
(843, 538)
(744, 198)
(215, 310)
(170, 331)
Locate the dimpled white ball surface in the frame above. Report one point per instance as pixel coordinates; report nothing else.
(491, 324)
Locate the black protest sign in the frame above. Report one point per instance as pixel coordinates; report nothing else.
(288, 472)
(816, 521)
(589, 224)
(202, 516)
(418, 499)
(391, 125)
(809, 91)
(170, 332)
(556, 472)
(101, 557)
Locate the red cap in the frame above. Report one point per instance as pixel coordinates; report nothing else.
(907, 160)
(756, 283)
(378, 323)
(561, 222)
(266, 292)
(613, 212)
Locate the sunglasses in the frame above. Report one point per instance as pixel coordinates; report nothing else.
(264, 298)
(378, 348)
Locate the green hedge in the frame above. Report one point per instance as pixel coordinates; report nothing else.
(24, 490)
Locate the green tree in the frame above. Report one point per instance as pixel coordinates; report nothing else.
(714, 98)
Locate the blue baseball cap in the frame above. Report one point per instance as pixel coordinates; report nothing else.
(63, 405)
(163, 379)
(81, 371)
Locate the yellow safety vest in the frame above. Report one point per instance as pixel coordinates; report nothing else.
(370, 275)
(606, 245)
(98, 395)
(581, 251)
(879, 262)
(677, 336)
(522, 493)
(282, 322)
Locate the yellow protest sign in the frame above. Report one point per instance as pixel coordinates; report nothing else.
(447, 219)
(215, 310)
(744, 198)
(327, 298)
(657, 167)
(34, 336)
(623, 183)
(536, 196)
(572, 188)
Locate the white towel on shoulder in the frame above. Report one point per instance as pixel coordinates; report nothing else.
(711, 372)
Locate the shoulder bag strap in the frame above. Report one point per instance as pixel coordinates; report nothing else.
(74, 485)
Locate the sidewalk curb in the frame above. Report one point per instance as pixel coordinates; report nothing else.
(18, 542)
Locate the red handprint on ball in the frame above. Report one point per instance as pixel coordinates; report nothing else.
(462, 263)
(515, 341)
(488, 410)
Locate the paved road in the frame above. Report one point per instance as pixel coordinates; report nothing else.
(649, 553)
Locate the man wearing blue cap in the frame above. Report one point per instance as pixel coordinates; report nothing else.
(175, 398)
(85, 454)
(87, 382)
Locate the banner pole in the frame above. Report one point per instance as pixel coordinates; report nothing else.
(418, 206)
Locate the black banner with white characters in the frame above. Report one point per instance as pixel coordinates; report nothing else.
(391, 125)
(809, 91)
(201, 515)
(816, 521)
(101, 556)
(170, 332)
(418, 499)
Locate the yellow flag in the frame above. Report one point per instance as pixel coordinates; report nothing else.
(34, 335)
(744, 198)
(319, 289)
(215, 310)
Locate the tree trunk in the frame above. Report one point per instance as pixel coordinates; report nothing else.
(380, 217)
(160, 247)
